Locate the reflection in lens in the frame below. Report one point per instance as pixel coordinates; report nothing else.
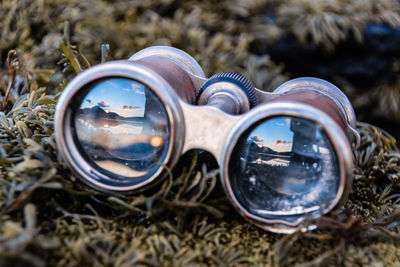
(123, 128)
(284, 165)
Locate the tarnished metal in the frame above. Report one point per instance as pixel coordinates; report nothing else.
(226, 96)
(179, 57)
(175, 77)
(296, 109)
(331, 91)
(212, 127)
(63, 126)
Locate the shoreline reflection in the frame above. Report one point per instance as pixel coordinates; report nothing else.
(123, 127)
(286, 163)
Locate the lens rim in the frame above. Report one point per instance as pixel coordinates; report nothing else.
(334, 133)
(330, 90)
(64, 132)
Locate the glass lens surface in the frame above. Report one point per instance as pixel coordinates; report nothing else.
(284, 165)
(122, 128)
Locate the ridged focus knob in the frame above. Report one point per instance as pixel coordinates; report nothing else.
(235, 78)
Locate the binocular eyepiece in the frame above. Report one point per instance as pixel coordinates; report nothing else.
(284, 156)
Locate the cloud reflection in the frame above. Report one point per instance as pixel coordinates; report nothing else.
(126, 107)
(122, 128)
(103, 104)
(286, 165)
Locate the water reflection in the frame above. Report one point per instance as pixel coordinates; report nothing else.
(123, 127)
(285, 164)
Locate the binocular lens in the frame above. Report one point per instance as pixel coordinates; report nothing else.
(122, 128)
(284, 165)
(119, 123)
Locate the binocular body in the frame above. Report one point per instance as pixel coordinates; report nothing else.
(284, 156)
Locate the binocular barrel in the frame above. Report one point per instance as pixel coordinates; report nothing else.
(284, 156)
(173, 74)
(237, 97)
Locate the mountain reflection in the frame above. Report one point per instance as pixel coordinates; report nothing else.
(108, 129)
(287, 159)
(301, 144)
(123, 127)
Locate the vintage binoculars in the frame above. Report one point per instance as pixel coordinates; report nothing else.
(284, 156)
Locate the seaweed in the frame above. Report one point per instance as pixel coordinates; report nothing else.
(327, 23)
(49, 217)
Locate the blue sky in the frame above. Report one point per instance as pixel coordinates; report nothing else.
(122, 96)
(275, 133)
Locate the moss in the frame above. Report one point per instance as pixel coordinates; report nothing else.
(48, 217)
(327, 23)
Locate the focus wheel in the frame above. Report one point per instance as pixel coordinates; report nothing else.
(235, 78)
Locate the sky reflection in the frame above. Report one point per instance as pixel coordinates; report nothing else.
(123, 127)
(275, 134)
(121, 96)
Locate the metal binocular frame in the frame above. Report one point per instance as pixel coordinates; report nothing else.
(284, 156)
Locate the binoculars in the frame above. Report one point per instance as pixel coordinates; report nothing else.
(284, 156)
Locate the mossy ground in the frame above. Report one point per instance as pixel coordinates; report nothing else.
(48, 217)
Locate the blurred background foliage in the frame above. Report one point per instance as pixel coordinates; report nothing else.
(48, 217)
(352, 43)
